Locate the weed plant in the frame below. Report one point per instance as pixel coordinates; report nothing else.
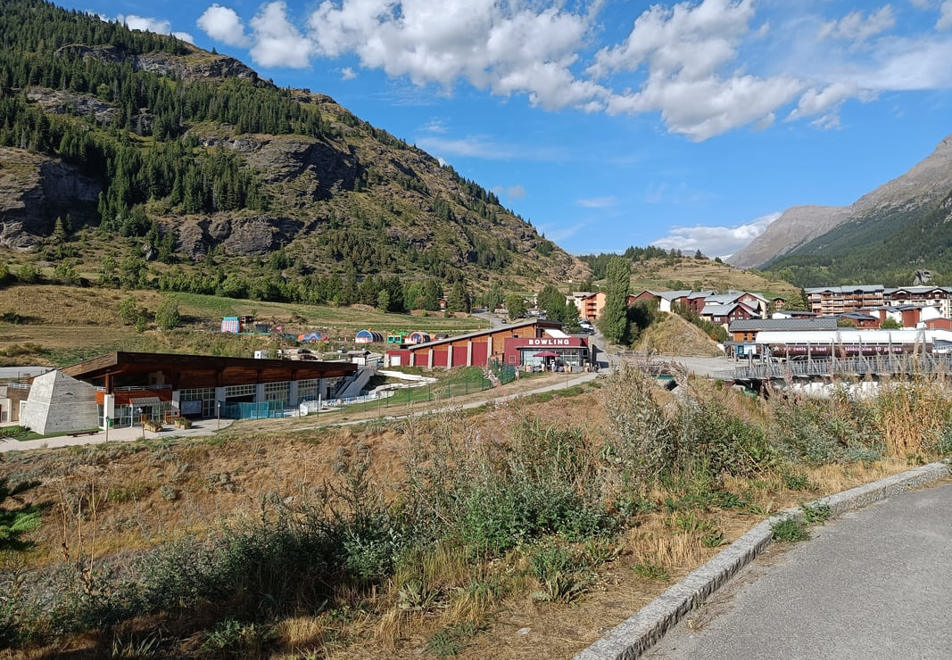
(473, 518)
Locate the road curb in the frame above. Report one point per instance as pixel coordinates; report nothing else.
(631, 638)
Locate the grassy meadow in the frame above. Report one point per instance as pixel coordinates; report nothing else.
(59, 325)
(430, 537)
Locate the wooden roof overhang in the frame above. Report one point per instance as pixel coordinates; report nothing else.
(192, 371)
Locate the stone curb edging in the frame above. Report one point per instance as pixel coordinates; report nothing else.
(631, 638)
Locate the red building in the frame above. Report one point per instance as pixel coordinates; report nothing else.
(542, 351)
(479, 348)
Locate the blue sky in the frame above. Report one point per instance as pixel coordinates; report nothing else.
(609, 123)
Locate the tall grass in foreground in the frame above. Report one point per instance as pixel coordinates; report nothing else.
(474, 521)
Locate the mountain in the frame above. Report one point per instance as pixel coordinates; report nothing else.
(811, 237)
(137, 159)
(795, 226)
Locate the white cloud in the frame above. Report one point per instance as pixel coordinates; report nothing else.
(705, 67)
(715, 241)
(858, 27)
(149, 24)
(485, 148)
(559, 234)
(505, 48)
(434, 126)
(945, 16)
(467, 147)
(691, 41)
(514, 192)
(824, 102)
(277, 42)
(223, 24)
(598, 202)
(687, 51)
(908, 64)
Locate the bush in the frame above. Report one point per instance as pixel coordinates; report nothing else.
(492, 498)
(642, 443)
(167, 315)
(128, 311)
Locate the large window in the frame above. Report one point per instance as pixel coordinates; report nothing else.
(307, 390)
(276, 391)
(206, 395)
(236, 391)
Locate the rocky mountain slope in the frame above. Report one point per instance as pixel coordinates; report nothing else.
(827, 230)
(147, 148)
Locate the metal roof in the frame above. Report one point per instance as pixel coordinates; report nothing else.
(482, 333)
(808, 323)
(846, 288)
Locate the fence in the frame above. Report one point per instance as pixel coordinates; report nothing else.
(506, 373)
(879, 365)
(259, 410)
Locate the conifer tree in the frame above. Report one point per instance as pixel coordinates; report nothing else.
(613, 321)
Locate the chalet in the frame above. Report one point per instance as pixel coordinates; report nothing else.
(923, 296)
(725, 314)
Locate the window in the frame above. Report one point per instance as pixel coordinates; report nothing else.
(204, 394)
(235, 391)
(276, 391)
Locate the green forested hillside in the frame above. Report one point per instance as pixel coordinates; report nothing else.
(887, 249)
(181, 169)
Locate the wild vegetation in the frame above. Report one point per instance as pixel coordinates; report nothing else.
(436, 535)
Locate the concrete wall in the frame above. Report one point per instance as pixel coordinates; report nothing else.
(60, 404)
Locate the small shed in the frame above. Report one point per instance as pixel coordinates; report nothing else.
(230, 324)
(368, 337)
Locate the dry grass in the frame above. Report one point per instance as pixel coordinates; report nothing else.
(64, 324)
(705, 274)
(672, 335)
(111, 498)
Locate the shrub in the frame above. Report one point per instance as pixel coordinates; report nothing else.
(642, 442)
(167, 315)
(128, 311)
(716, 440)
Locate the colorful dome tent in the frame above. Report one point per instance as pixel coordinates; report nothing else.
(368, 337)
(418, 338)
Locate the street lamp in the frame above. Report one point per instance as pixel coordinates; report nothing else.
(218, 415)
(141, 420)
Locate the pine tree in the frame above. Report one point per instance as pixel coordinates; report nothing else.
(459, 299)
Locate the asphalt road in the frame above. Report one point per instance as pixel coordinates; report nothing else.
(875, 583)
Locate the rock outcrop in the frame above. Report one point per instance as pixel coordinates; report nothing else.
(34, 190)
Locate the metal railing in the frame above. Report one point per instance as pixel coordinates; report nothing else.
(878, 365)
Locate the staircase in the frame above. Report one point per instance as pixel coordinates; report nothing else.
(354, 385)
